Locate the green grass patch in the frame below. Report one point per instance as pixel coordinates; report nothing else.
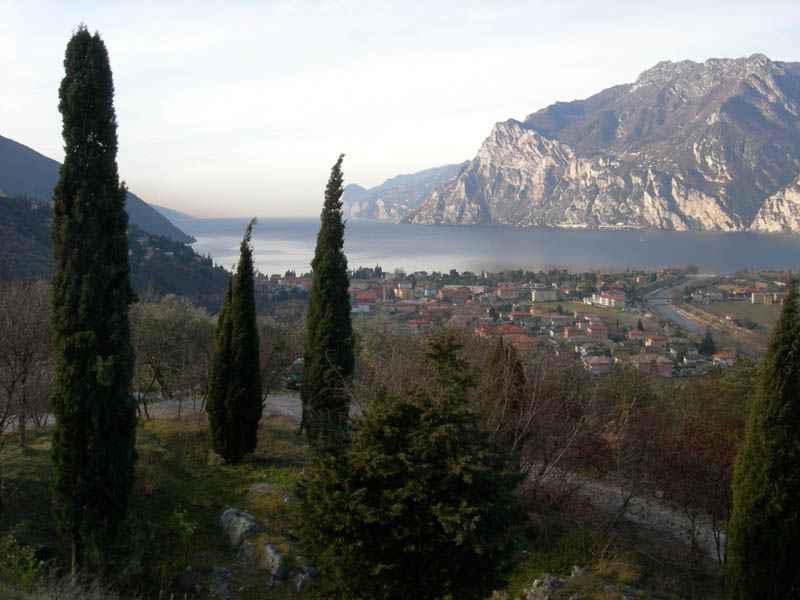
(180, 491)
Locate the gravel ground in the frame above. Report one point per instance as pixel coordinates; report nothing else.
(285, 404)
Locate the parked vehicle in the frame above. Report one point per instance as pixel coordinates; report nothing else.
(295, 379)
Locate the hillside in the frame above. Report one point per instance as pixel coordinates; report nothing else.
(25, 172)
(158, 263)
(687, 146)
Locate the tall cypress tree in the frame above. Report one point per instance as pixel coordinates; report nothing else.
(764, 529)
(93, 440)
(234, 398)
(328, 358)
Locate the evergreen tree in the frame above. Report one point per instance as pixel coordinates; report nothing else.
(707, 345)
(93, 440)
(234, 397)
(640, 325)
(329, 357)
(764, 529)
(417, 505)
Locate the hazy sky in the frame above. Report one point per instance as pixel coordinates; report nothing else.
(240, 108)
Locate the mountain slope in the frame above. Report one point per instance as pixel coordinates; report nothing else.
(397, 197)
(25, 172)
(158, 263)
(699, 146)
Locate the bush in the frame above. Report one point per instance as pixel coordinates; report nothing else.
(415, 504)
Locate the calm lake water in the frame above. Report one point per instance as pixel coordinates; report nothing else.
(281, 244)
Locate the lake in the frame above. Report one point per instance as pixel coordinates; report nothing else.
(281, 243)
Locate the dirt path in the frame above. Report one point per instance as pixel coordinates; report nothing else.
(285, 404)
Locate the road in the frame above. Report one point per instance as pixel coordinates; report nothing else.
(286, 404)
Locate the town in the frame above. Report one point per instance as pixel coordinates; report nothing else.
(601, 319)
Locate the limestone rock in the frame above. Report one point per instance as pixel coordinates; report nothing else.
(688, 146)
(238, 525)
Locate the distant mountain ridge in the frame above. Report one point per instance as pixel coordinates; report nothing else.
(397, 197)
(687, 146)
(25, 172)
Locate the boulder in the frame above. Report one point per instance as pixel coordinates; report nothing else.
(267, 556)
(306, 576)
(273, 561)
(238, 525)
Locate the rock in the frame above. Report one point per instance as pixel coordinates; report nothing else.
(580, 571)
(306, 576)
(247, 552)
(273, 561)
(190, 582)
(606, 162)
(220, 578)
(267, 556)
(238, 525)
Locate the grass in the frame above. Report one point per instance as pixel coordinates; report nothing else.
(610, 316)
(181, 489)
(763, 315)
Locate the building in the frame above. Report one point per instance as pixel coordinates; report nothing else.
(652, 364)
(543, 296)
(724, 359)
(656, 342)
(506, 293)
(597, 365)
(598, 333)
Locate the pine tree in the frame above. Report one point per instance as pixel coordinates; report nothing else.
(707, 345)
(764, 529)
(234, 398)
(328, 358)
(640, 325)
(93, 440)
(417, 504)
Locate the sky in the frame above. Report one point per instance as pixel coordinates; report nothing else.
(240, 108)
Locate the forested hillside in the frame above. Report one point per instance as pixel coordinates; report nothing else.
(158, 263)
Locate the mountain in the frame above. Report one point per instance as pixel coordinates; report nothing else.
(158, 263)
(687, 146)
(25, 172)
(397, 197)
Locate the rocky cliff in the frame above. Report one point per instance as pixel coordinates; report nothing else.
(711, 146)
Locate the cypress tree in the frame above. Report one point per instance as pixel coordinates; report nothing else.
(764, 529)
(234, 398)
(707, 345)
(93, 440)
(328, 358)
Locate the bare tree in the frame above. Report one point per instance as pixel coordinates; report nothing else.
(25, 353)
(280, 345)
